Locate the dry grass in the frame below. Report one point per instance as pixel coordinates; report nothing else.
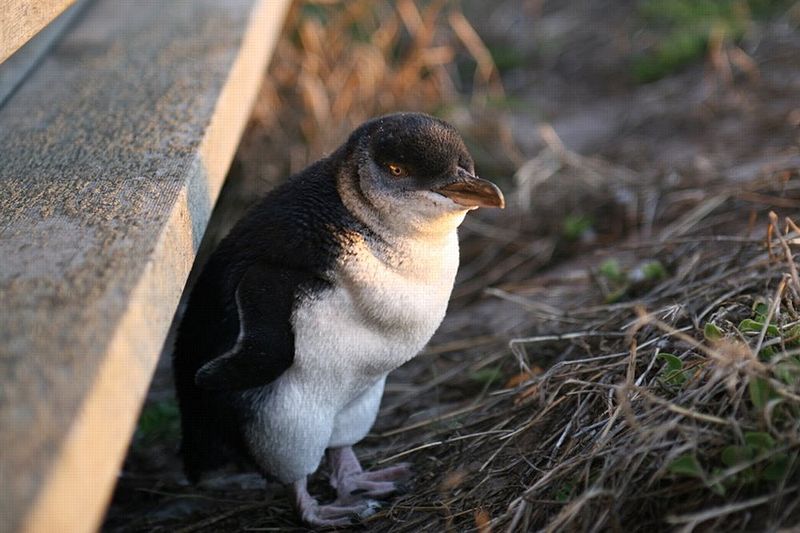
(676, 405)
(346, 62)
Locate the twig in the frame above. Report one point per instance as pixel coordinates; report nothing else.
(776, 301)
(693, 217)
(574, 507)
(795, 286)
(685, 412)
(459, 344)
(723, 510)
(412, 450)
(220, 517)
(432, 420)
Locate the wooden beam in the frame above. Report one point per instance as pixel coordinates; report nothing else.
(14, 70)
(22, 19)
(114, 151)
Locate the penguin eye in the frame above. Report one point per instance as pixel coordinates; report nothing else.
(396, 170)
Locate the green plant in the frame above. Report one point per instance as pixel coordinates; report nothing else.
(575, 226)
(686, 27)
(487, 376)
(611, 270)
(159, 421)
(712, 332)
(686, 465)
(673, 372)
(564, 492)
(621, 282)
(756, 460)
(758, 448)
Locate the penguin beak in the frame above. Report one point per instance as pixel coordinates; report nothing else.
(472, 191)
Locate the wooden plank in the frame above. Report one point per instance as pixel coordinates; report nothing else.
(22, 19)
(114, 151)
(24, 60)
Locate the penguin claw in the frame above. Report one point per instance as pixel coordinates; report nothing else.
(398, 472)
(352, 483)
(370, 489)
(375, 484)
(342, 512)
(339, 513)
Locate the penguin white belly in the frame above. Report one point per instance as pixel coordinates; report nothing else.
(347, 339)
(354, 420)
(378, 316)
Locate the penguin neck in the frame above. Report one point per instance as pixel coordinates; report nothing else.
(406, 227)
(396, 229)
(416, 256)
(403, 241)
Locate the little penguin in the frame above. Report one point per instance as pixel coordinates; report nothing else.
(330, 282)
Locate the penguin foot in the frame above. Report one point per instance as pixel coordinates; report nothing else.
(378, 484)
(352, 482)
(371, 489)
(338, 513)
(398, 472)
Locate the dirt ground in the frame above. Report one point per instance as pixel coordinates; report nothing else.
(625, 198)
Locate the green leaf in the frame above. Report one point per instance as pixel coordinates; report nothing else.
(717, 488)
(759, 440)
(711, 332)
(778, 467)
(674, 372)
(734, 455)
(487, 376)
(654, 271)
(761, 309)
(767, 353)
(159, 421)
(611, 270)
(748, 476)
(675, 378)
(759, 389)
(575, 226)
(686, 465)
(507, 57)
(792, 337)
(749, 325)
(564, 492)
(673, 362)
(788, 371)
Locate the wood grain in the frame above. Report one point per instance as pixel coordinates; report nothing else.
(113, 153)
(22, 19)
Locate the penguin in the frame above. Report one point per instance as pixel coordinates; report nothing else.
(330, 282)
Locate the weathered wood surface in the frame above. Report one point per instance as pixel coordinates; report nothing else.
(14, 69)
(22, 19)
(111, 156)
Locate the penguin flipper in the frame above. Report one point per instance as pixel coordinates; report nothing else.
(265, 348)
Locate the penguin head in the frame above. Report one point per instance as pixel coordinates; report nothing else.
(415, 167)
